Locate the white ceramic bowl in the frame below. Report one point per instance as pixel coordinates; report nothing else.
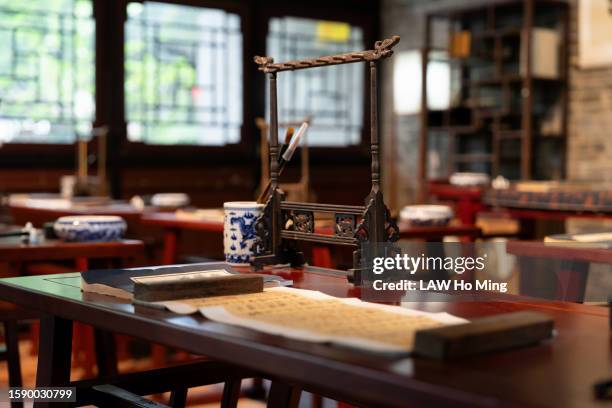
(90, 228)
(427, 215)
(469, 179)
(170, 200)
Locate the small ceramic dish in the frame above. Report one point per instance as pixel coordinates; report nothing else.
(90, 228)
(170, 200)
(427, 215)
(469, 179)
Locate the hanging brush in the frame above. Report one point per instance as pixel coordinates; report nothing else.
(28, 234)
(291, 144)
(288, 136)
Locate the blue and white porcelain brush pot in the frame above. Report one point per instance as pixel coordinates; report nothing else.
(90, 228)
(239, 230)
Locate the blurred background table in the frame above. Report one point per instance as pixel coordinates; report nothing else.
(173, 225)
(42, 208)
(437, 233)
(556, 271)
(467, 201)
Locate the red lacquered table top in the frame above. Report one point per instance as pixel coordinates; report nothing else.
(12, 249)
(170, 220)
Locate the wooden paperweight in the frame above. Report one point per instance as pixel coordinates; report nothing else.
(487, 334)
(152, 289)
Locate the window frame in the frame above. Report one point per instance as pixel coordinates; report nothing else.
(53, 155)
(141, 153)
(255, 19)
(341, 12)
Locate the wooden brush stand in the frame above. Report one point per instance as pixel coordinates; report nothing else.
(284, 224)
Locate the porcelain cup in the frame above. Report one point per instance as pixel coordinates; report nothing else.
(239, 230)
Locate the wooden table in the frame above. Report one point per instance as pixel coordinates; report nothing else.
(571, 278)
(13, 250)
(558, 373)
(552, 215)
(436, 234)
(21, 212)
(553, 205)
(173, 226)
(467, 200)
(578, 252)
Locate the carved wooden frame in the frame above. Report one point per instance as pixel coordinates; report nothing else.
(353, 225)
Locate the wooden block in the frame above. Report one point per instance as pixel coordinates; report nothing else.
(484, 335)
(152, 290)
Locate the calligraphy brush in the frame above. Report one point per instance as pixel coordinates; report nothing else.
(288, 136)
(285, 146)
(13, 234)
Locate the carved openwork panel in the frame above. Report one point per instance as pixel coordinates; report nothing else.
(391, 228)
(299, 221)
(345, 225)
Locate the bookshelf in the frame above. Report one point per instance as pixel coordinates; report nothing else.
(508, 69)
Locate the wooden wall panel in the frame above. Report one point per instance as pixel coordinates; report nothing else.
(31, 180)
(207, 186)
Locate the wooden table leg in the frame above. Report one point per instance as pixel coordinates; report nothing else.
(231, 393)
(283, 395)
(81, 264)
(467, 210)
(572, 280)
(11, 338)
(55, 347)
(317, 401)
(527, 229)
(536, 278)
(170, 246)
(435, 249)
(83, 337)
(257, 391)
(12, 350)
(106, 353)
(178, 398)
(552, 280)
